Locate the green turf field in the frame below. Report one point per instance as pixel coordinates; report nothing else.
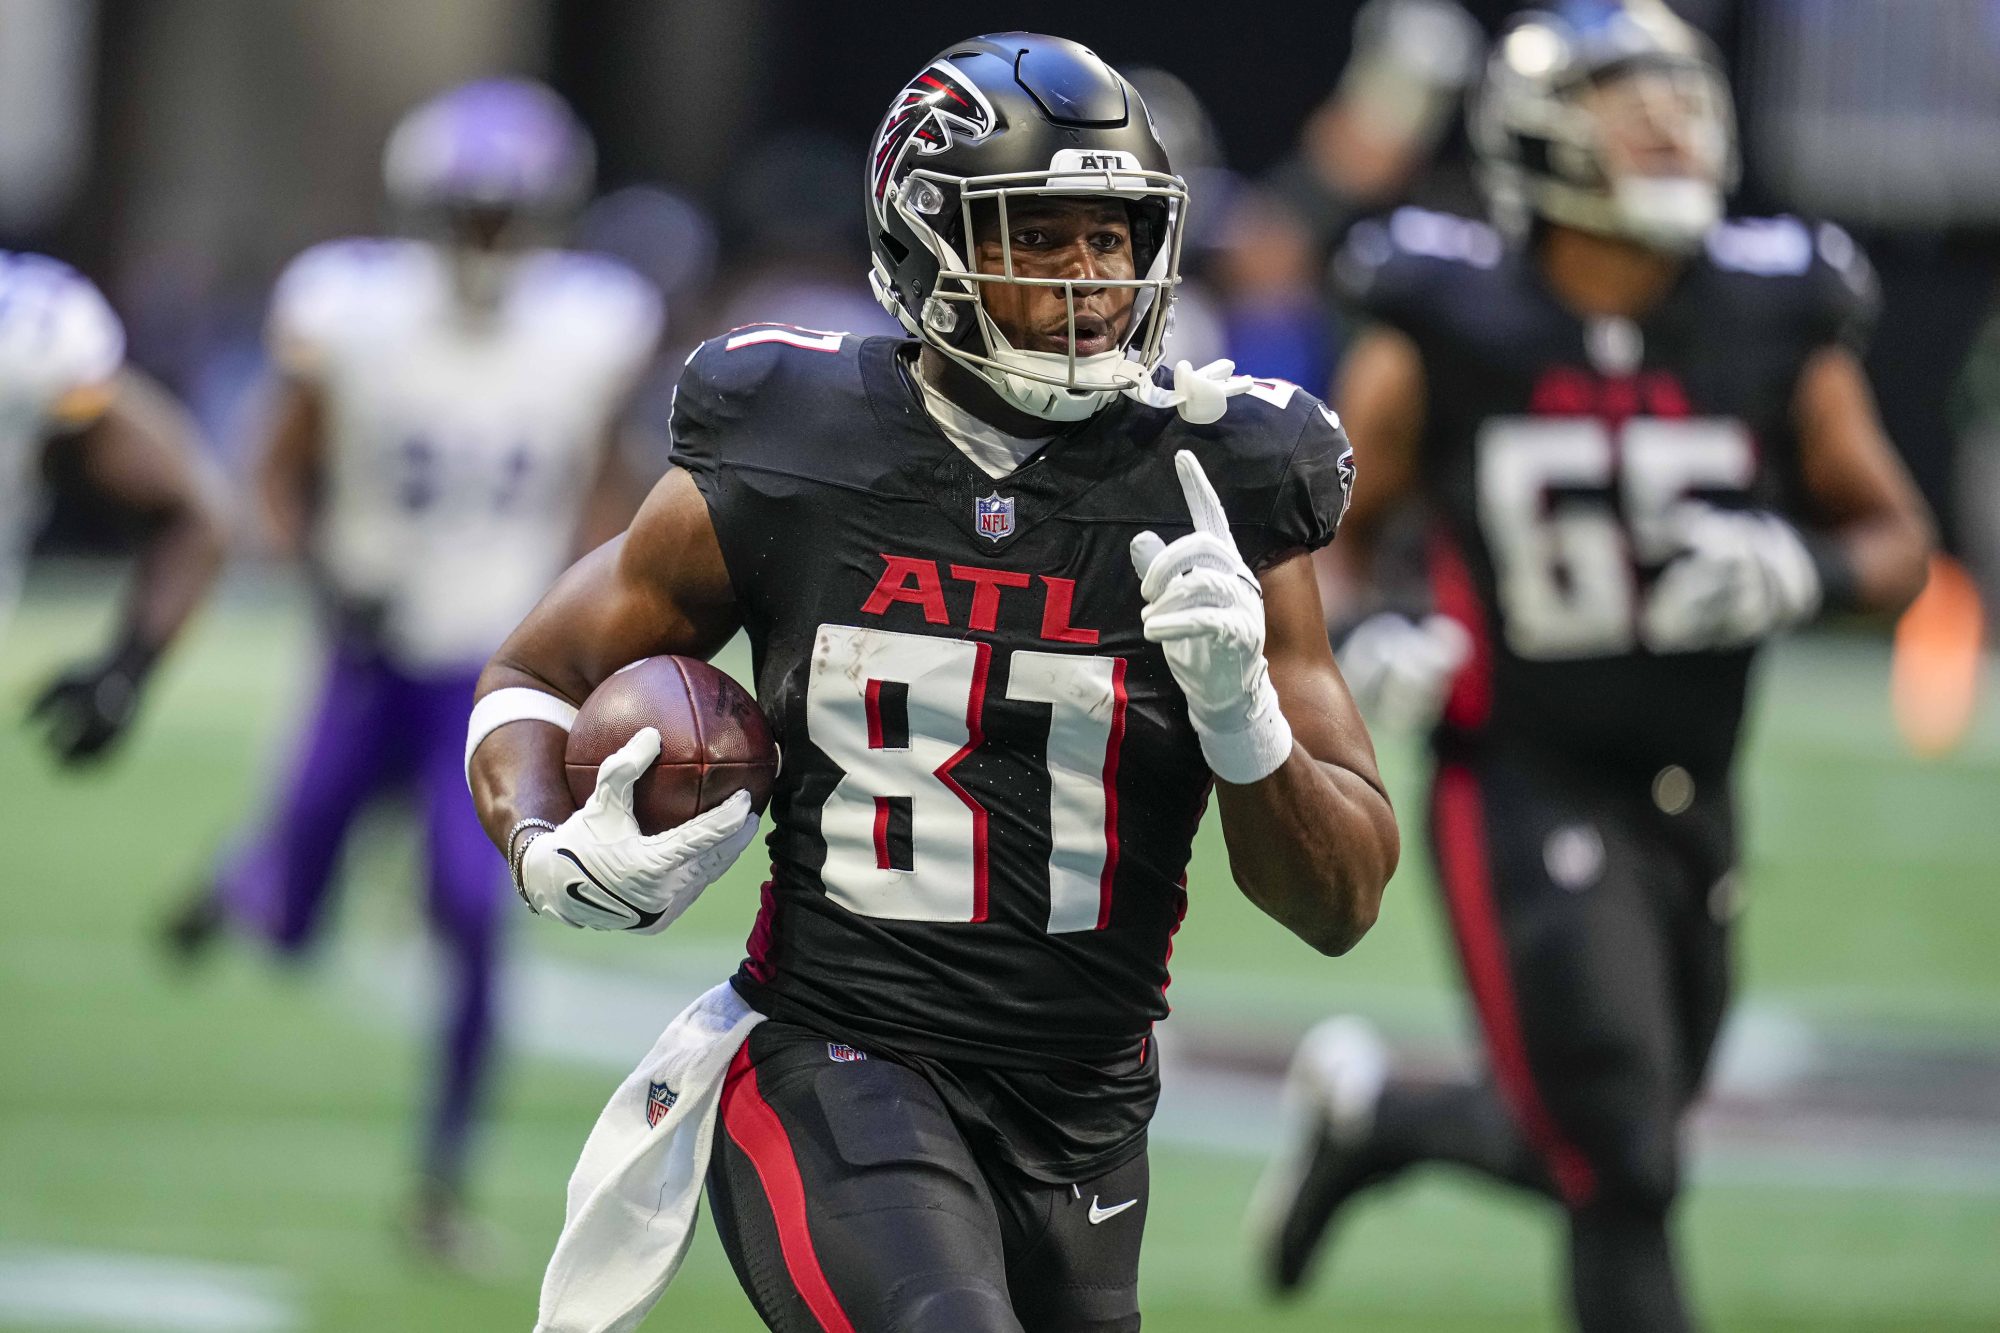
(263, 1121)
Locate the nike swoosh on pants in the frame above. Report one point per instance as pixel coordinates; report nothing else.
(1100, 1214)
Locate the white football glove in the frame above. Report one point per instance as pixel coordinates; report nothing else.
(1400, 670)
(1744, 576)
(1206, 609)
(597, 870)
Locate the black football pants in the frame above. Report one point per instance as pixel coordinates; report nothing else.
(1592, 927)
(847, 1198)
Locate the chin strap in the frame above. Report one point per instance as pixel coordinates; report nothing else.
(1200, 396)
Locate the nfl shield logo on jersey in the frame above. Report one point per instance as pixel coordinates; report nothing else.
(994, 516)
(660, 1099)
(842, 1053)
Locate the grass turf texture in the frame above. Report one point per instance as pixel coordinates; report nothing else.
(266, 1119)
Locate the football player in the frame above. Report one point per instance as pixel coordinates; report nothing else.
(440, 440)
(71, 408)
(1647, 446)
(1019, 600)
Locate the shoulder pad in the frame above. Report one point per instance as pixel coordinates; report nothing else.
(1283, 465)
(1390, 268)
(1768, 247)
(1822, 266)
(351, 261)
(334, 287)
(746, 357)
(721, 379)
(595, 300)
(783, 335)
(1846, 299)
(594, 280)
(1426, 234)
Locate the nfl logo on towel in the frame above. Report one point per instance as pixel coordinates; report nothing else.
(994, 516)
(842, 1052)
(660, 1099)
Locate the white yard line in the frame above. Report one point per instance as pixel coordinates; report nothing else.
(138, 1293)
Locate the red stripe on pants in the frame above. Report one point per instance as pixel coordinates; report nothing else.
(1468, 883)
(755, 1128)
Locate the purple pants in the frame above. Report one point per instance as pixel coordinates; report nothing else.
(374, 731)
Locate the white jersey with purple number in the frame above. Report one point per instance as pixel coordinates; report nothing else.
(459, 448)
(60, 346)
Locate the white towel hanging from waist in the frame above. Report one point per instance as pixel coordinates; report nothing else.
(636, 1190)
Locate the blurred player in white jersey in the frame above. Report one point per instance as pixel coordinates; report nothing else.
(441, 442)
(69, 407)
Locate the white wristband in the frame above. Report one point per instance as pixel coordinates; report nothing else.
(516, 703)
(1255, 751)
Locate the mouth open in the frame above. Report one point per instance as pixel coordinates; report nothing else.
(1093, 335)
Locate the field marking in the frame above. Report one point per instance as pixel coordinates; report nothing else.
(140, 1293)
(567, 1011)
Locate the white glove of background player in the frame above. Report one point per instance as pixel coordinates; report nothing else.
(1206, 610)
(597, 870)
(1400, 670)
(1744, 576)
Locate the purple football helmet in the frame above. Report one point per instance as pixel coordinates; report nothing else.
(507, 145)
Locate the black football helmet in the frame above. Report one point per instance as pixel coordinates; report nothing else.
(998, 119)
(1572, 82)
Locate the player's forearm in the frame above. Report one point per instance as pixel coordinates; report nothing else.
(173, 575)
(1861, 498)
(517, 773)
(1313, 845)
(144, 455)
(1886, 560)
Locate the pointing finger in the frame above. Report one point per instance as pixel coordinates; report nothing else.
(1204, 505)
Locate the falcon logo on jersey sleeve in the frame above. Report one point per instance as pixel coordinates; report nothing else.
(937, 104)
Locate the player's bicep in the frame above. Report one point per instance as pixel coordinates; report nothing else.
(659, 587)
(1856, 488)
(1846, 462)
(143, 454)
(1322, 714)
(1380, 396)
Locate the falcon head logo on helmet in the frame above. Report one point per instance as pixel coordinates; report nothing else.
(937, 104)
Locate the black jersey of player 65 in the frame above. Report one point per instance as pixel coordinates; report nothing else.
(1555, 450)
(990, 784)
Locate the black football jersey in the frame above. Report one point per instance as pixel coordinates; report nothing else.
(981, 826)
(1554, 454)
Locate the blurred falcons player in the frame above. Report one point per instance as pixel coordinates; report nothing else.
(439, 440)
(1019, 599)
(1647, 445)
(67, 408)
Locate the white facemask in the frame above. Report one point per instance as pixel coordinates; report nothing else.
(1670, 212)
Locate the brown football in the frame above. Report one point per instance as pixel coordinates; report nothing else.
(714, 741)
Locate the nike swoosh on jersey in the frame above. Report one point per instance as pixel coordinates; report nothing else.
(644, 918)
(1099, 1214)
